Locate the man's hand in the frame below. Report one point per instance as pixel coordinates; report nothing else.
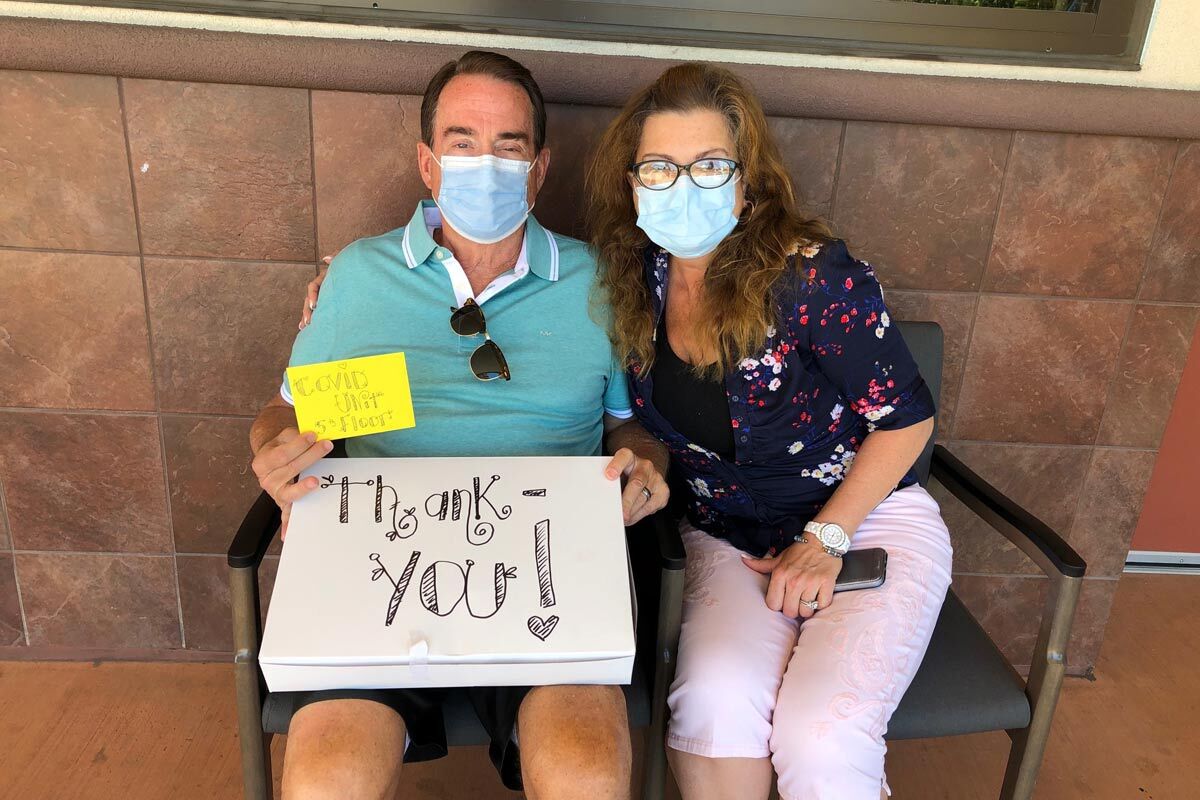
(278, 463)
(645, 488)
(802, 572)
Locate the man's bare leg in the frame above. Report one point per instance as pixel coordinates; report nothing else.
(575, 743)
(345, 749)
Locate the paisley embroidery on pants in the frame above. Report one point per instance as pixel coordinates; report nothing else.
(702, 562)
(870, 661)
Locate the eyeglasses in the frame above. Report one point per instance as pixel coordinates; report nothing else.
(707, 173)
(487, 362)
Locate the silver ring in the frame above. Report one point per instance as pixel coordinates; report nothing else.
(646, 492)
(812, 605)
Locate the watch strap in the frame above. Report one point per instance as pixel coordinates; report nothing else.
(800, 538)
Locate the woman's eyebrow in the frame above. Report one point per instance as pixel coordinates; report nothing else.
(663, 157)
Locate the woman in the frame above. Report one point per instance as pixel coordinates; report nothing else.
(762, 354)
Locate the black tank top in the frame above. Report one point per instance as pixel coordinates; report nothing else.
(694, 407)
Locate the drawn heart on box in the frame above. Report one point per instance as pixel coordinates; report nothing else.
(542, 628)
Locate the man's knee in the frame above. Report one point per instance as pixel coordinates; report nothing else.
(343, 749)
(575, 742)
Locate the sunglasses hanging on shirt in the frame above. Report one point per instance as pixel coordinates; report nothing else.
(487, 362)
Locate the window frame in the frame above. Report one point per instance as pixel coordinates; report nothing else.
(1111, 38)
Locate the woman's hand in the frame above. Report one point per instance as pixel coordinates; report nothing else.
(802, 572)
(314, 289)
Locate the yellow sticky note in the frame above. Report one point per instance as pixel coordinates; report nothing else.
(353, 397)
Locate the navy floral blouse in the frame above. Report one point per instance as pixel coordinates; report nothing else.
(830, 371)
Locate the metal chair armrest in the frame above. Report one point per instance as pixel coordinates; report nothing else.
(255, 534)
(1035, 538)
(247, 635)
(672, 560)
(670, 544)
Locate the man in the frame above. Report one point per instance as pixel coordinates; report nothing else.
(522, 367)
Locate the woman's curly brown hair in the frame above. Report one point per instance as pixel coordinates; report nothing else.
(736, 306)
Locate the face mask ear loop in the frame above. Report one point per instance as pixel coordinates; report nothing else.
(528, 172)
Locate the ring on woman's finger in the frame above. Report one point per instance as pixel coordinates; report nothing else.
(811, 605)
(646, 492)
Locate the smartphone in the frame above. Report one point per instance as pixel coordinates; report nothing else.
(862, 569)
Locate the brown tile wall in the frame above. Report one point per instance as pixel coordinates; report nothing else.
(155, 238)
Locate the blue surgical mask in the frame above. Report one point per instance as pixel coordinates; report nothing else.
(484, 197)
(686, 220)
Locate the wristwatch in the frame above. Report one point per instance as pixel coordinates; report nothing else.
(832, 537)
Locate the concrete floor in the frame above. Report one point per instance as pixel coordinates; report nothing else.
(128, 731)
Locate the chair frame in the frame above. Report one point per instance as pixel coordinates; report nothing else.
(1053, 556)
(1065, 570)
(246, 553)
(1056, 559)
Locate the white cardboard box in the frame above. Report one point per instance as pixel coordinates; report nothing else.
(452, 572)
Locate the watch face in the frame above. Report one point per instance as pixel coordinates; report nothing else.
(833, 536)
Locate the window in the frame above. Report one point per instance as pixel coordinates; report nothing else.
(1077, 33)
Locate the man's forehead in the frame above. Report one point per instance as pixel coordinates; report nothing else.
(468, 101)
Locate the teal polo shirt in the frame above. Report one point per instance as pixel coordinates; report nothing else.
(394, 293)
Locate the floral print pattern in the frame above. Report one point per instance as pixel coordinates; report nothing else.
(831, 370)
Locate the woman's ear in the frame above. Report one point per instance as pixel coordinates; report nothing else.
(746, 198)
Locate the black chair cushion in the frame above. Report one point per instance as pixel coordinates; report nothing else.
(964, 685)
(927, 345)
(462, 727)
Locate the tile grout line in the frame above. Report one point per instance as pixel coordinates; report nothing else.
(1137, 296)
(4, 520)
(117, 412)
(1050, 297)
(312, 173)
(184, 554)
(14, 248)
(162, 444)
(1132, 314)
(1036, 576)
(1055, 445)
(20, 600)
(13, 554)
(987, 262)
(157, 256)
(991, 240)
(837, 172)
(104, 553)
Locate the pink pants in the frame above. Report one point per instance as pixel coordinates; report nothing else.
(813, 695)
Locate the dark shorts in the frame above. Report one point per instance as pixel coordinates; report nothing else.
(421, 709)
